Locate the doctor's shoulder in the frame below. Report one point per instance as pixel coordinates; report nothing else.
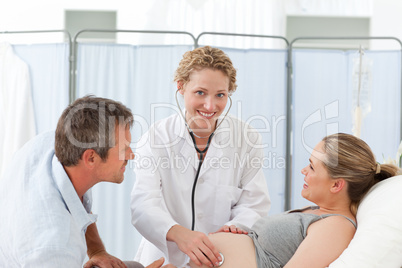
(163, 132)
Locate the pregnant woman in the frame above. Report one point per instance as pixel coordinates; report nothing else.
(342, 169)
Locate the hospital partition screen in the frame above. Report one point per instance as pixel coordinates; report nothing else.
(141, 77)
(324, 83)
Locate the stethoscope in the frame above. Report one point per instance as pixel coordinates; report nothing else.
(201, 152)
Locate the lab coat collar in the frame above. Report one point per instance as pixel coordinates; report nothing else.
(222, 134)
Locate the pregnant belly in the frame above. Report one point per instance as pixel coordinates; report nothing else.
(237, 249)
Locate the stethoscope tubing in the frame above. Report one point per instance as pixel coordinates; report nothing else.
(200, 161)
(202, 154)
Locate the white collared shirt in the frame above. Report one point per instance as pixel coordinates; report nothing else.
(43, 220)
(231, 188)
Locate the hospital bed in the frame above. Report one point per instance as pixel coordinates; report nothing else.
(378, 239)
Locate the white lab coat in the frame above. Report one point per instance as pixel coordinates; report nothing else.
(17, 121)
(231, 188)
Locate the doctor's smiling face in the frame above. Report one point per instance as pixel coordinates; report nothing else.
(205, 98)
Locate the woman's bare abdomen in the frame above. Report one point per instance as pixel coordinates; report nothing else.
(237, 249)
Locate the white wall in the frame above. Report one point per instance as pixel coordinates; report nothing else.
(194, 16)
(253, 16)
(386, 21)
(24, 15)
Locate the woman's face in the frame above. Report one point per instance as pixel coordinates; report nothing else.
(317, 182)
(205, 97)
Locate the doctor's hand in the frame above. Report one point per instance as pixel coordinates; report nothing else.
(231, 229)
(195, 244)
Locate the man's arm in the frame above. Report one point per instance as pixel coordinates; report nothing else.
(96, 251)
(100, 258)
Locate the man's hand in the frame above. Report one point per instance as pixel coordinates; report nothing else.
(231, 229)
(195, 244)
(103, 259)
(158, 264)
(97, 253)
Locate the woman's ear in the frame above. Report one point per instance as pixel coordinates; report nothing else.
(338, 185)
(180, 87)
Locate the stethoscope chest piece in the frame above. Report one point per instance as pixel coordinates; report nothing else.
(223, 259)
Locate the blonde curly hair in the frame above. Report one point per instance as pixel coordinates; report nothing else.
(202, 58)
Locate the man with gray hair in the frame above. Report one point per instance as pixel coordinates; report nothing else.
(45, 196)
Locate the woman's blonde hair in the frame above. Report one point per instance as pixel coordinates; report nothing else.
(350, 158)
(206, 58)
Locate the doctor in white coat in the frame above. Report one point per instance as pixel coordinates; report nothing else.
(199, 171)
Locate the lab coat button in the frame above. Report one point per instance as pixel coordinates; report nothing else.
(201, 181)
(200, 215)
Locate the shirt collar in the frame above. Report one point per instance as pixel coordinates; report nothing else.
(78, 210)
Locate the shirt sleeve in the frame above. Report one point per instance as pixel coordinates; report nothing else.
(254, 201)
(51, 257)
(148, 210)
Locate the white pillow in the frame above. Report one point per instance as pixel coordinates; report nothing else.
(378, 238)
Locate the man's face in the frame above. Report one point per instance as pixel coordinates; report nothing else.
(112, 170)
